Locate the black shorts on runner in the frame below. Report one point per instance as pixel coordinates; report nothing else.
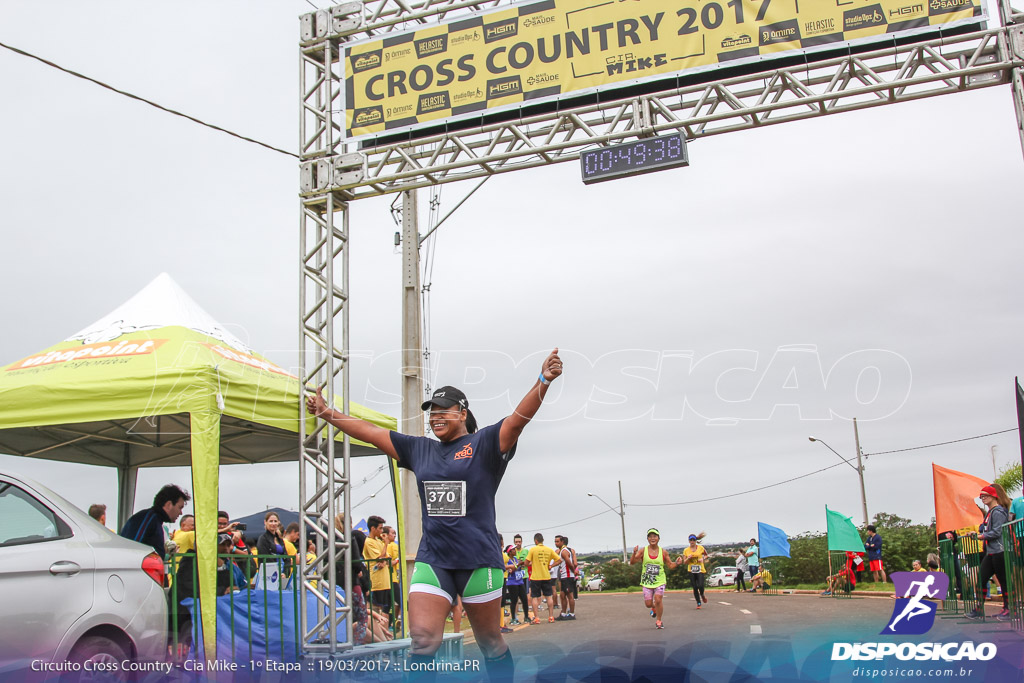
(382, 599)
(538, 588)
(569, 585)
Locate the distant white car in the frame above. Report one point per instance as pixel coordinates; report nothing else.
(725, 576)
(71, 589)
(595, 583)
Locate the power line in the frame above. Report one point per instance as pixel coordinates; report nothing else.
(944, 443)
(731, 495)
(144, 100)
(576, 521)
(372, 495)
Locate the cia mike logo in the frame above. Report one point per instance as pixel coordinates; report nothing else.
(912, 615)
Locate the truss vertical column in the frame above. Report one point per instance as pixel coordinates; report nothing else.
(1014, 21)
(323, 361)
(324, 474)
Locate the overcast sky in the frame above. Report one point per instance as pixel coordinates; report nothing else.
(710, 318)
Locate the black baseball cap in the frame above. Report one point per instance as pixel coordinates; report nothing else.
(446, 397)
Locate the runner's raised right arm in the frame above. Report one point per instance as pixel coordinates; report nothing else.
(353, 426)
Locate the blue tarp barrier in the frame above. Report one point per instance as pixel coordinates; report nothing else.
(274, 618)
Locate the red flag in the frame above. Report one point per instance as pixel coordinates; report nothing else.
(954, 499)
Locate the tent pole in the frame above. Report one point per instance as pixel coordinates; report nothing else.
(127, 475)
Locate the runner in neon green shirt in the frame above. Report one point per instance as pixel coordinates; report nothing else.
(652, 573)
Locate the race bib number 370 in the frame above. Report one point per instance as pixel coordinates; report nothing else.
(445, 498)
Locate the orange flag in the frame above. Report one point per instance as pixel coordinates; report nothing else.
(954, 499)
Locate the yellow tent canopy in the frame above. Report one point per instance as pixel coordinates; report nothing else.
(158, 383)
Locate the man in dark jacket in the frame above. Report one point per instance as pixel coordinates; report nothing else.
(874, 547)
(147, 526)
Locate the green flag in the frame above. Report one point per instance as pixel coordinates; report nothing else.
(842, 533)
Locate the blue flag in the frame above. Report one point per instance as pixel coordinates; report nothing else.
(773, 540)
(361, 525)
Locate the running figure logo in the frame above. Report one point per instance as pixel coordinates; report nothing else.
(912, 615)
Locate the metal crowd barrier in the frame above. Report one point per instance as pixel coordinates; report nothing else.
(969, 555)
(1013, 556)
(254, 581)
(950, 565)
(841, 587)
(265, 575)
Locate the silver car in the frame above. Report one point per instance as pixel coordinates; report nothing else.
(71, 590)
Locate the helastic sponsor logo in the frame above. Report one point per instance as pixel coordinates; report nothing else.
(501, 30)
(503, 87)
(782, 32)
(948, 6)
(865, 17)
(738, 41)
(431, 102)
(367, 116)
(902, 13)
(819, 26)
(366, 61)
(431, 46)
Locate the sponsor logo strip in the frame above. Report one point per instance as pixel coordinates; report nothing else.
(549, 49)
(126, 347)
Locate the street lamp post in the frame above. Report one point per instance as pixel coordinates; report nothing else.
(621, 512)
(860, 473)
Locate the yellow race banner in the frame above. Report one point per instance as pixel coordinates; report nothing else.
(543, 50)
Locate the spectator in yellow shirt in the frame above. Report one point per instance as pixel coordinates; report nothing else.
(375, 551)
(542, 560)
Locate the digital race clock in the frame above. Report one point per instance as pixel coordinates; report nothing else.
(633, 158)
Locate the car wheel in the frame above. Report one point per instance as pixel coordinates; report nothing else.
(105, 657)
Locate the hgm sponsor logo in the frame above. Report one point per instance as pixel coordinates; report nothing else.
(366, 61)
(367, 116)
(906, 11)
(813, 28)
(866, 17)
(948, 6)
(782, 32)
(433, 102)
(431, 46)
(739, 41)
(503, 87)
(501, 30)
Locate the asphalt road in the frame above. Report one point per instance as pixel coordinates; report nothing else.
(739, 637)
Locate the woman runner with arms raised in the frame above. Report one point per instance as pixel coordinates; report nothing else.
(457, 477)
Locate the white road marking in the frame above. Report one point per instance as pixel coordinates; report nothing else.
(746, 611)
(755, 629)
(724, 603)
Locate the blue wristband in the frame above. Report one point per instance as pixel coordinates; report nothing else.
(544, 381)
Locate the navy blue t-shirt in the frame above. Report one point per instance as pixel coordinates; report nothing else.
(457, 482)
